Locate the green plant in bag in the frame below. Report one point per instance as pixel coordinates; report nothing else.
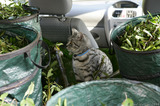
(13, 10)
(144, 36)
(9, 43)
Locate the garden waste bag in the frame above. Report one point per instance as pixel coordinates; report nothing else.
(111, 92)
(21, 67)
(31, 21)
(136, 65)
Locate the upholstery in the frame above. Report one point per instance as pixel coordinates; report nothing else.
(153, 6)
(53, 26)
(57, 7)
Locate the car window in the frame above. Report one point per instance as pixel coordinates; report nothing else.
(9, 1)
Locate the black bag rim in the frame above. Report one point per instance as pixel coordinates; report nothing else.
(132, 51)
(21, 50)
(24, 18)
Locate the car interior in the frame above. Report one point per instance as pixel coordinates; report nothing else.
(55, 25)
(95, 18)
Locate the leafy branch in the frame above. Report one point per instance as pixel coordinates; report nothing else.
(50, 74)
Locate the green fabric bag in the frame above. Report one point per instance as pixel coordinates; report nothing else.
(109, 92)
(137, 65)
(21, 67)
(31, 21)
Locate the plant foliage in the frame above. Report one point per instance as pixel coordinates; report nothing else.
(145, 36)
(26, 101)
(13, 10)
(50, 74)
(9, 43)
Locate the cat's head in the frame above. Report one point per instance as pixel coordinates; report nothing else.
(78, 42)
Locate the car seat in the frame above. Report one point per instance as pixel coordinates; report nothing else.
(54, 25)
(151, 6)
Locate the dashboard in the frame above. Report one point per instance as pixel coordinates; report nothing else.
(101, 16)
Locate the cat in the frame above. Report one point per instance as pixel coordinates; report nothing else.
(87, 62)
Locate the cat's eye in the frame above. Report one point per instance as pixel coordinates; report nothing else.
(75, 44)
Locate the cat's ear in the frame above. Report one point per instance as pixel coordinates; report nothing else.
(74, 31)
(80, 37)
(77, 33)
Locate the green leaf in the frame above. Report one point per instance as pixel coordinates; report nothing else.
(29, 90)
(23, 103)
(45, 87)
(149, 47)
(3, 96)
(18, 38)
(49, 74)
(97, 78)
(59, 101)
(102, 104)
(157, 43)
(123, 47)
(65, 102)
(127, 28)
(59, 44)
(129, 42)
(127, 102)
(44, 74)
(5, 104)
(147, 32)
(2, 33)
(150, 14)
(139, 37)
(56, 88)
(54, 63)
(29, 102)
(11, 4)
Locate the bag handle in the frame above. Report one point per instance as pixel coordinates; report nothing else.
(31, 8)
(44, 46)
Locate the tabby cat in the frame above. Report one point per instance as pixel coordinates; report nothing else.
(88, 63)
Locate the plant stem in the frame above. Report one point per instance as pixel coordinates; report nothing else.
(61, 65)
(49, 89)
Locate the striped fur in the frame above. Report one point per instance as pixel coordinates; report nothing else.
(88, 63)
